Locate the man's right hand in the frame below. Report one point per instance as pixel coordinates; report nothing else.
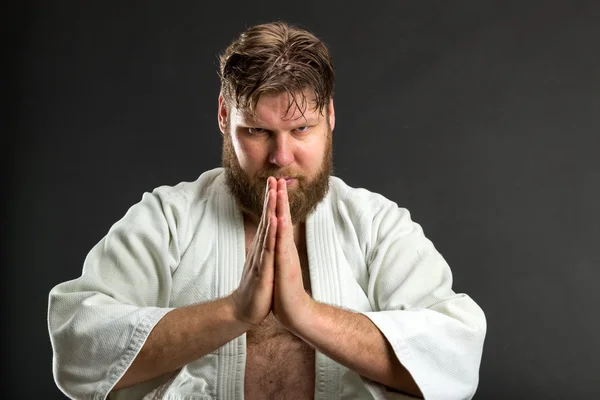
(252, 299)
(188, 333)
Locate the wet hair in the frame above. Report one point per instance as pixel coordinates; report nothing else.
(276, 58)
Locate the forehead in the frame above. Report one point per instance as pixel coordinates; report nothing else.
(277, 107)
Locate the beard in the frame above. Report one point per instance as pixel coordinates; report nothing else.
(249, 191)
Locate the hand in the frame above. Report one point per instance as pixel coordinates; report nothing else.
(253, 298)
(291, 304)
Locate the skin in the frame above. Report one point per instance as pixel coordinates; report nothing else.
(272, 275)
(347, 337)
(278, 142)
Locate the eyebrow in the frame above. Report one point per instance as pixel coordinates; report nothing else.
(248, 120)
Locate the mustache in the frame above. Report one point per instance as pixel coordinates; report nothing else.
(264, 175)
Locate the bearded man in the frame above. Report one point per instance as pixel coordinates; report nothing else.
(268, 278)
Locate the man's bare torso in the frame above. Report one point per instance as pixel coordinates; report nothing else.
(278, 364)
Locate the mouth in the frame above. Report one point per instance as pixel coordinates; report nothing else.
(288, 179)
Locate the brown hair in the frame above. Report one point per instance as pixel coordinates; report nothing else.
(275, 58)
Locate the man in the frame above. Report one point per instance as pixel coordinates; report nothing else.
(267, 278)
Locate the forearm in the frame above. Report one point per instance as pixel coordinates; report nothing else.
(182, 336)
(354, 341)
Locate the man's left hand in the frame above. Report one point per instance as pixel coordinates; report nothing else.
(292, 306)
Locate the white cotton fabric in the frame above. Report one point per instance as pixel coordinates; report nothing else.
(185, 244)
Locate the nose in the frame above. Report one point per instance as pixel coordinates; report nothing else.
(281, 153)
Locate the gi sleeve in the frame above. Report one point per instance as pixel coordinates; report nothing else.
(436, 334)
(99, 322)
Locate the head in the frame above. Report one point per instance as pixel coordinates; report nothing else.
(277, 117)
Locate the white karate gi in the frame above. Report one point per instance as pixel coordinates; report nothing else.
(185, 244)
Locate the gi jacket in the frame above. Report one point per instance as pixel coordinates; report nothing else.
(185, 245)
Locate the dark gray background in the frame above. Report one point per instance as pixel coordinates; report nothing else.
(480, 117)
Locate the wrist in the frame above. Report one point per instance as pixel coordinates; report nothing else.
(231, 312)
(304, 316)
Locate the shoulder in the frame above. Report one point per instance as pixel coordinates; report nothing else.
(206, 185)
(180, 206)
(369, 217)
(358, 203)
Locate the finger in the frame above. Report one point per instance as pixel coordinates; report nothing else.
(286, 204)
(270, 237)
(271, 203)
(267, 255)
(268, 187)
(270, 184)
(262, 225)
(286, 257)
(284, 221)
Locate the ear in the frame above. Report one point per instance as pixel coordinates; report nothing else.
(331, 110)
(222, 114)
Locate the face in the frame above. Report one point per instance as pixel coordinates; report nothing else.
(278, 142)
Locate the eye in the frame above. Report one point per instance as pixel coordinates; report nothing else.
(256, 131)
(303, 129)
